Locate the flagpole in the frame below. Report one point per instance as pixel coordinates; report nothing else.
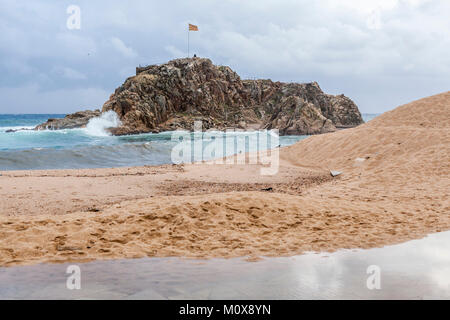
(188, 41)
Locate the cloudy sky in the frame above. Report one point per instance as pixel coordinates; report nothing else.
(379, 53)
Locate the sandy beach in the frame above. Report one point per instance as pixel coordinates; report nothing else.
(394, 186)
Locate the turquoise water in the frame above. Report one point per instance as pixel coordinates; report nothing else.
(18, 121)
(92, 147)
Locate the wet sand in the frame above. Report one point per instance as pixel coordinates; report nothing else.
(394, 187)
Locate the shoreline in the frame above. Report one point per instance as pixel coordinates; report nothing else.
(92, 152)
(393, 188)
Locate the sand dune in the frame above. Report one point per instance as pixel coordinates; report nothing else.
(402, 132)
(395, 186)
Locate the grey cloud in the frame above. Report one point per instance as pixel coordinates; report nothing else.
(405, 57)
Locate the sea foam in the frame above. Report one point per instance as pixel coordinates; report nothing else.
(97, 126)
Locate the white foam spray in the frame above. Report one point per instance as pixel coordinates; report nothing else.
(97, 126)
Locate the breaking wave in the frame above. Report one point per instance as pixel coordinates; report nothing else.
(97, 126)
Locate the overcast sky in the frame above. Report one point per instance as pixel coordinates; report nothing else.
(379, 53)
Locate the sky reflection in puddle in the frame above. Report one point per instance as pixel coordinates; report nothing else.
(418, 269)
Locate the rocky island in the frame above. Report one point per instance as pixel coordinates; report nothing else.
(172, 96)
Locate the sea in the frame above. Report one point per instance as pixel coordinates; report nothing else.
(22, 148)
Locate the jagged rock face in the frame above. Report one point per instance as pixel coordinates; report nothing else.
(313, 105)
(75, 120)
(174, 95)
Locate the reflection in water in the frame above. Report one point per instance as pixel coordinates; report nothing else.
(418, 269)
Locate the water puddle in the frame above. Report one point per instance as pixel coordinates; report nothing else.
(418, 269)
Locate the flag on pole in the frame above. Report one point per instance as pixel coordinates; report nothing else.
(192, 27)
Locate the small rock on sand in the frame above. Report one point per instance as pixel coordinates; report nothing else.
(335, 173)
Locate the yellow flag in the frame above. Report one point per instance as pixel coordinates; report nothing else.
(193, 27)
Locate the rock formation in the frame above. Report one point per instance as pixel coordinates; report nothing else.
(174, 95)
(74, 120)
